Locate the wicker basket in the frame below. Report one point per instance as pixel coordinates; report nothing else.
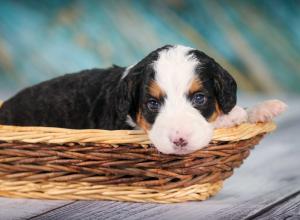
(57, 163)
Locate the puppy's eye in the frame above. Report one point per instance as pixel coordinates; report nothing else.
(198, 99)
(153, 105)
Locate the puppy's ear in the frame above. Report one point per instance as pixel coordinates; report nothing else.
(225, 88)
(128, 95)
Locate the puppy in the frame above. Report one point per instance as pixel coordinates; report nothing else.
(176, 94)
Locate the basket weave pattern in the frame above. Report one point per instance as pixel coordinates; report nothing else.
(57, 163)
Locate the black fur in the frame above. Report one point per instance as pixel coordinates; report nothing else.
(224, 85)
(88, 99)
(99, 98)
(208, 90)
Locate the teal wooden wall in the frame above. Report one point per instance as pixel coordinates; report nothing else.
(258, 41)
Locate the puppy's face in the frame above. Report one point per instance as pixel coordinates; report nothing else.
(180, 97)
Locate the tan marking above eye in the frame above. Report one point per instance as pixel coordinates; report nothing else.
(195, 86)
(155, 90)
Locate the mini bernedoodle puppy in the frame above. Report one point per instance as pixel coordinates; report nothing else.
(177, 94)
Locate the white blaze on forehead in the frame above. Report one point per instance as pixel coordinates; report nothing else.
(175, 70)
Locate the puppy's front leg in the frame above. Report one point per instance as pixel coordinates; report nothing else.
(262, 112)
(236, 116)
(266, 111)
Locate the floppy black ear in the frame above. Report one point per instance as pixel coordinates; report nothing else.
(128, 95)
(111, 107)
(225, 88)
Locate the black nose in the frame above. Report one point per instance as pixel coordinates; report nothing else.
(180, 142)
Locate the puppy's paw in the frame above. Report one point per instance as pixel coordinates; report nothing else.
(236, 116)
(266, 111)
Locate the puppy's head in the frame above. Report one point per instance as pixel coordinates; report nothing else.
(178, 93)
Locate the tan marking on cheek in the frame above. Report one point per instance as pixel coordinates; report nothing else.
(195, 86)
(155, 91)
(142, 123)
(216, 113)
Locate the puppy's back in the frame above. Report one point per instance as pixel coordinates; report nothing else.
(61, 102)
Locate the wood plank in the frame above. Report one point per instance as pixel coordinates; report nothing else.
(269, 176)
(14, 209)
(289, 210)
(98, 210)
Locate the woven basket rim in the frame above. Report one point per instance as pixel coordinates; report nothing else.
(52, 135)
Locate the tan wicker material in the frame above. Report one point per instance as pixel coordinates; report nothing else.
(88, 191)
(62, 135)
(122, 165)
(57, 163)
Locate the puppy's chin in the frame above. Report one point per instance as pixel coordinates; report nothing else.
(193, 128)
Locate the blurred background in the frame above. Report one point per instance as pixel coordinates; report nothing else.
(257, 41)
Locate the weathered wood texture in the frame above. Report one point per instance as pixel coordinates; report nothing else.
(267, 186)
(289, 210)
(15, 209)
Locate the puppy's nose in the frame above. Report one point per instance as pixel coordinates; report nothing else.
(180, 142)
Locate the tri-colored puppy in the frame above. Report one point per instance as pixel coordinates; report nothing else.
(176, 94)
